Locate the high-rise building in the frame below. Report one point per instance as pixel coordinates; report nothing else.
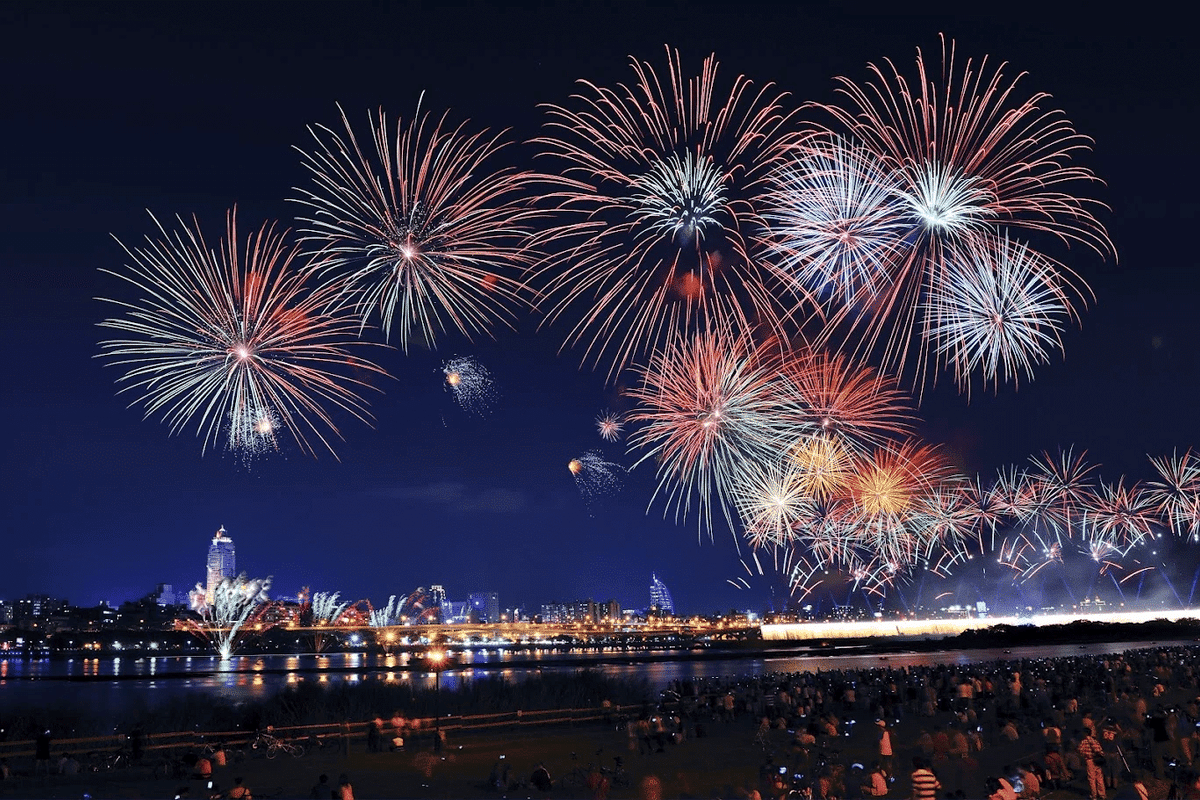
(221, 563)
(485, 605)
(660, 598)
(437, 595)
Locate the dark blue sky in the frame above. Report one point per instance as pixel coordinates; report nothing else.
(111, 109)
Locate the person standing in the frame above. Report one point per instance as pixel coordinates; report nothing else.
(41, 752)
(884, 746)
(1092, 754)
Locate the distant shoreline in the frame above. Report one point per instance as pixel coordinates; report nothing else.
(995, 637)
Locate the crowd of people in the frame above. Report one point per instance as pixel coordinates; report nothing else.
(1104, 726)
(1095, 726)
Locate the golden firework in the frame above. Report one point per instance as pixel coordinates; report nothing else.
(823, 465)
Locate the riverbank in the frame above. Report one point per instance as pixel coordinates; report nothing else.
(726, 763)
(824, 722)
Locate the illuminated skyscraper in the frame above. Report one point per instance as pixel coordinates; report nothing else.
(221, 562)
(660, 598)
(486, 606)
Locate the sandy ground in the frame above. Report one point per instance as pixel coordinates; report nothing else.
(725, 764)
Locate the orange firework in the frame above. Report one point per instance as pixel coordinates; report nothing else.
(889, 482)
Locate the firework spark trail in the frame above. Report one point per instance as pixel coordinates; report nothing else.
(595, 477)
(418, 229)
(471, 385)
(609, 426)
(231, 341)
(970, 160)
(659, 197)
(235, 604)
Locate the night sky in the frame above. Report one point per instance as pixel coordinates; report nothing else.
(110, 110)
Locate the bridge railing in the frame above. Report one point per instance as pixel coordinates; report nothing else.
(349, 735)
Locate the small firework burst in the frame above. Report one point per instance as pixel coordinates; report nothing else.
(471, 384)
(595, 476)
(609, 425)
(258, 434)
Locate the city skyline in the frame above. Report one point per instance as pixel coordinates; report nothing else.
(187, 113)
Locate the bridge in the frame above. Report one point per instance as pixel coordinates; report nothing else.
(669, 631)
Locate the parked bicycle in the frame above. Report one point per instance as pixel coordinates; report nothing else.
(98, 761)
(270, 745)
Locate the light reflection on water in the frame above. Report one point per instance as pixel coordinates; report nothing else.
(148, 682)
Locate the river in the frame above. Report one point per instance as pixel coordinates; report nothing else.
(111, 687)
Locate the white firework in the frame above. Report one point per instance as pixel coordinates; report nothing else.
(999, 310)
(383, 617)
(835, 222)
(225, 615)
(471, 384)
(595, 477)
(609, 426)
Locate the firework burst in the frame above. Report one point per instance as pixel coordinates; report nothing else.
(417, 229)
(1177, 496)
(1120, 514)
(1061, 489)
(854, 405)
(968, 160)
(471, 385)
(835, 221)
(711, 410)
(772, 500)
(997, 312)
(230, 340)
(660, 194)
(824, 466)
(609, 426)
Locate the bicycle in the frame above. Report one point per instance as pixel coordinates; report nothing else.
(271, 746)
(104, 761)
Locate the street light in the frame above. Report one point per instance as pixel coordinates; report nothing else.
(437, 658)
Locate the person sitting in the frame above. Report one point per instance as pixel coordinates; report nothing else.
(540, 779)
(203, 768)
(67, 765)
(239, 792)
(1031, 782)
(876, 784)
